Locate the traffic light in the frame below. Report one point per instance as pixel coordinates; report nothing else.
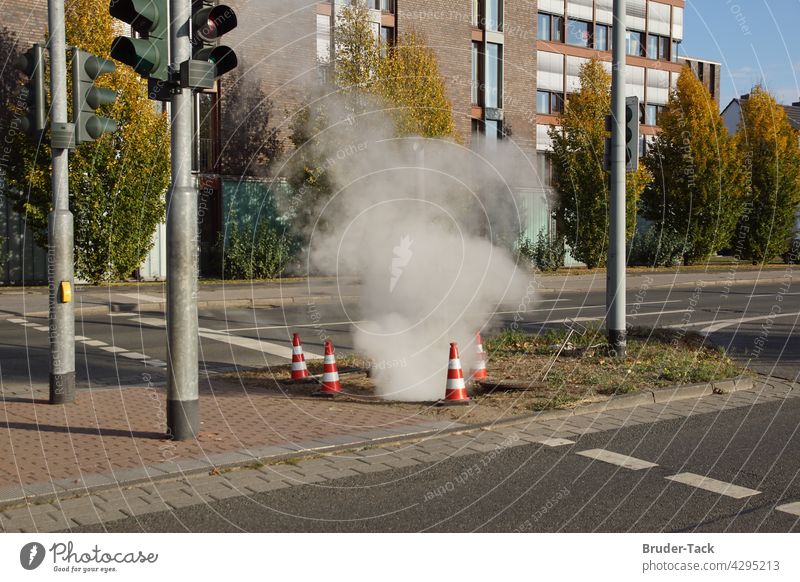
(86, 98)
(149, 54)
(209, 24)
(31, 62)
(631, 134)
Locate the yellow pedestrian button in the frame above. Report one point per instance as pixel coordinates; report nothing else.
(66, 292)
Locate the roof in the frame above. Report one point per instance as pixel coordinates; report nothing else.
(792, 111)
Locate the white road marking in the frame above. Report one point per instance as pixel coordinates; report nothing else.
(156, 363)
(554, 442)
(18, 320)
(80, 338)
(769, 294)
(582, 307)
(141, 297)
(41, 328)
(283, 351)
(121, 314)
(134, 356)
(299, 326)
(30, 325)
(113, 349)
(723, 323)
(712, 485)
(617, 459)
(600, 317)
(93, 343)
(154, 321)
(793, 508)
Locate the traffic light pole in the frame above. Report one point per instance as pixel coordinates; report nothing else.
(616, 277)
(60, 226)
(182, 259)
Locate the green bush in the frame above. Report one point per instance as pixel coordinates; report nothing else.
(656, 247)
(792, 256)
(264, 254)
(546, 254)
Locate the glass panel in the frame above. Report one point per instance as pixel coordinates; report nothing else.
(663, 48)
(601, 37)
(634, 42)
(579, 33)
(652, 46)
(558, 28)
(493, 16)
(651, 115)
(556, 103)
(543, 31)
(493, 71)
(543, 102)
(675, 48)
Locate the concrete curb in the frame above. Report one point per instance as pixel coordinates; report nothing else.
(682, 285)
(169, 471)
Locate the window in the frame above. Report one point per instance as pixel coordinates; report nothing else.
(545, 24)
(635, 43)
(674, 54)
(602, 38)
(652, 113)
(579, 32)
(549, 102)
(700, 72)
(657, 47)
(494, 75)
(476, 73)
(494, 15)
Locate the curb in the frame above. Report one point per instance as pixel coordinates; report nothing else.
(683, 285)
(171, 471)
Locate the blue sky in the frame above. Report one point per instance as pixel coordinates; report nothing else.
(757, 41)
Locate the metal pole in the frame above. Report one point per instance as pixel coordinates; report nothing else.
(182, 339)
(61, 279)
(616, 284)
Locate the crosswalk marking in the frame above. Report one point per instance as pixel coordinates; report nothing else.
(141, 297)
(41, 328)
(134, 356)
(18, 320)
(93, 343)
(713, 485)
(283, 351)
(554, 442)
(113, 349)
(153, 321)
(793, 508)
(617, 459)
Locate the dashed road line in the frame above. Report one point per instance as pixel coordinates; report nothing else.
(134, 356)
(792, 508)
(93, 343)
(113, 349)
(617, 459)
(554, 442)
(713, 485)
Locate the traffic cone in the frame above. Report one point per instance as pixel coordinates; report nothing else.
(456, 390)
(330, 376)
(478, 371)
(299, 369)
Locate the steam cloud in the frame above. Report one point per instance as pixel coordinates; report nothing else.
(432, 246)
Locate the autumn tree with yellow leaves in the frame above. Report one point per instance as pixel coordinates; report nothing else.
(117, 183)
(769, 149)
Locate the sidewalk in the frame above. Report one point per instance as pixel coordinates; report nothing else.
(76, 474)
(33, 301)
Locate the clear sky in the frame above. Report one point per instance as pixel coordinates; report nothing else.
(757, 41)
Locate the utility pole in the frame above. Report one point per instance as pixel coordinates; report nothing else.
(60, 253)
(182, 339)
(615, 281)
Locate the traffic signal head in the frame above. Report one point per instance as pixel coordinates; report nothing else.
(148, 55)
(86, 98)
(209, 24)
(31, 63)
(632, 133)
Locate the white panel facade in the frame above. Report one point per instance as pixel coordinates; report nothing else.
(574, 65)
(634, 82)
(677, 23)
(550, 74)
(580, 9)
(636, 11)
(657, 87)
(658, 18)
(552, 6)
(605, 11)
(543, 141)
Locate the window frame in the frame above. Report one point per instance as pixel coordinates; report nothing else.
(589, 40)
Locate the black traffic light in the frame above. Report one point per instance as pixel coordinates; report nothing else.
(631, 134)
(31, 62)
(209, 24)
(86, 98)
(148, 54)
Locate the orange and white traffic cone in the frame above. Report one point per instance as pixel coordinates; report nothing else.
(330, 377)
(299, 368)
(456, 390)
(478, 371)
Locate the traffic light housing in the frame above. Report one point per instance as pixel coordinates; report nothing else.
(31, 63)
(209, 23)
(631, 134)
(86, 97)
(148, 54)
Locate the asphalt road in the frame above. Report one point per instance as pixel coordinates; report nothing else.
(756, 324)
(543, 489)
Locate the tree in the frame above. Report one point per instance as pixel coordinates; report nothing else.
(249, 145)
(768, 141)
(699, 182)
(117, 183)
(578, 174)
(408, 79)
(357, 51)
